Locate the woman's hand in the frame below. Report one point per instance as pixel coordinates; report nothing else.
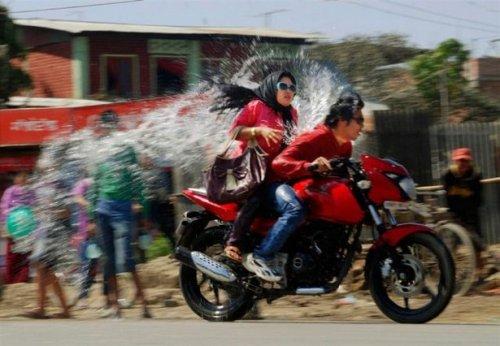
(269, 135)
(323, 165)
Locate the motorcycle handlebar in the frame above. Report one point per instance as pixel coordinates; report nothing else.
(334, 163)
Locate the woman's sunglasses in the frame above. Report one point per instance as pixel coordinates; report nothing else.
(283, 86)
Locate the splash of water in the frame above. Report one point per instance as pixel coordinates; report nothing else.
(184, 134)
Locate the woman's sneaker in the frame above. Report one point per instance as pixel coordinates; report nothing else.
(262, 268)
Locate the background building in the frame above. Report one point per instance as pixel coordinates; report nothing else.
(68, 59)
(484, 74)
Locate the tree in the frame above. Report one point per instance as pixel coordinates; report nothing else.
(360, 58)
(12, 78)
(439, 73)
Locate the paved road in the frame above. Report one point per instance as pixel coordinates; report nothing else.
(200, 333)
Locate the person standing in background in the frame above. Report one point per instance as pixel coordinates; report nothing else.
(462, 183)
(115, 196)
(82, 240)
(16, 264)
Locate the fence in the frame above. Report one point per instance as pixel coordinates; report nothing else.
(484, 141)
(404, 136)
(411, 138)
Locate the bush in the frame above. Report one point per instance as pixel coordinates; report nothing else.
(160, 246)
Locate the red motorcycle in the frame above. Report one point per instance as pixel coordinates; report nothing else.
(408, 269)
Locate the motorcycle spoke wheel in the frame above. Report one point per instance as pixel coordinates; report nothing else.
(212, 291)
(414, 282)
(208, 298)
(419, 274)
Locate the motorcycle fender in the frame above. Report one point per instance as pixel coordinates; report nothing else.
(192, 223)
(392, 238)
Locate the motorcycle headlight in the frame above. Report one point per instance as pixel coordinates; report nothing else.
(408, 186)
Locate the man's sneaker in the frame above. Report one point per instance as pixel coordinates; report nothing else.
(263, 269)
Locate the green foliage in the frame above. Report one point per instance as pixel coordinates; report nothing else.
(359, 59)
(160, 246)
(442, 65)
(11, 78)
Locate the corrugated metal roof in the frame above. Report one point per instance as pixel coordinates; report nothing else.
(75, 27)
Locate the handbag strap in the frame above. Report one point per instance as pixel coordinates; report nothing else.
(231, 139)
(252, 143)
(255, 145)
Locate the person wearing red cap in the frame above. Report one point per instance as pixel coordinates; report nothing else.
(462, 183)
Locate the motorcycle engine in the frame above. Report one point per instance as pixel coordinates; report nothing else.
(302, 263)
(317, 256)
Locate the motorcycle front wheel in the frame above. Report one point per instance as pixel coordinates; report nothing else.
(414, 282)
(210, 299)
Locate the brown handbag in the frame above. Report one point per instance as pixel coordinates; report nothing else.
(235, 179)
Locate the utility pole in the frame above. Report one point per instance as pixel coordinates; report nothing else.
(443, 92)
(267, 16)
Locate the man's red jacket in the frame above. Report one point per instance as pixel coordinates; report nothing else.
(293, 162)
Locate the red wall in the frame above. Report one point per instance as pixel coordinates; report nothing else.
(50, 70)
(117, 44)
(216, 49)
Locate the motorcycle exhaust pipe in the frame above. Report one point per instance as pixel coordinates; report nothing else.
(205, 264)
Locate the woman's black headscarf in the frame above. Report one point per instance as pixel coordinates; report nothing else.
(236, 97)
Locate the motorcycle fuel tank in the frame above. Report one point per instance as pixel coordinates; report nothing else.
(330, 199)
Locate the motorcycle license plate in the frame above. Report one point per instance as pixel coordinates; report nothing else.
(396, 205)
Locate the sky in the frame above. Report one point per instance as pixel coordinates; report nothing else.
(426, 23)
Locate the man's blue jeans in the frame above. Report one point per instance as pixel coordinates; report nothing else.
(282, 199)
(116, 237)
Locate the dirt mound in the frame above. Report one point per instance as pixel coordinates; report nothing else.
(160, 272)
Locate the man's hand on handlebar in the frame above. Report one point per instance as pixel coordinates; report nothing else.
(321, 165)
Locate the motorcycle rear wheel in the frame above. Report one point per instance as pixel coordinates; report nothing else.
(415, 280)
(208, 298)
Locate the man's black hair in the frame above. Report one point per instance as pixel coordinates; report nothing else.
(344, 108)
(339, 112)
(352, 98)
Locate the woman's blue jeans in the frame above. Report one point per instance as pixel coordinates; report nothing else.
(282, 199)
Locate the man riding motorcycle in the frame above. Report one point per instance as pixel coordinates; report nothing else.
(316, 148)
(408, 269)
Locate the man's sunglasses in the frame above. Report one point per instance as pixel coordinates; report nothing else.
(283, 86)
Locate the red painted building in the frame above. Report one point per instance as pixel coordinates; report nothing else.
(484, 75)
(107, 61)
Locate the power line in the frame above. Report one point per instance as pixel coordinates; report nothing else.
(440, 14)
(76, 6)
(418, 18)
(481, 6)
